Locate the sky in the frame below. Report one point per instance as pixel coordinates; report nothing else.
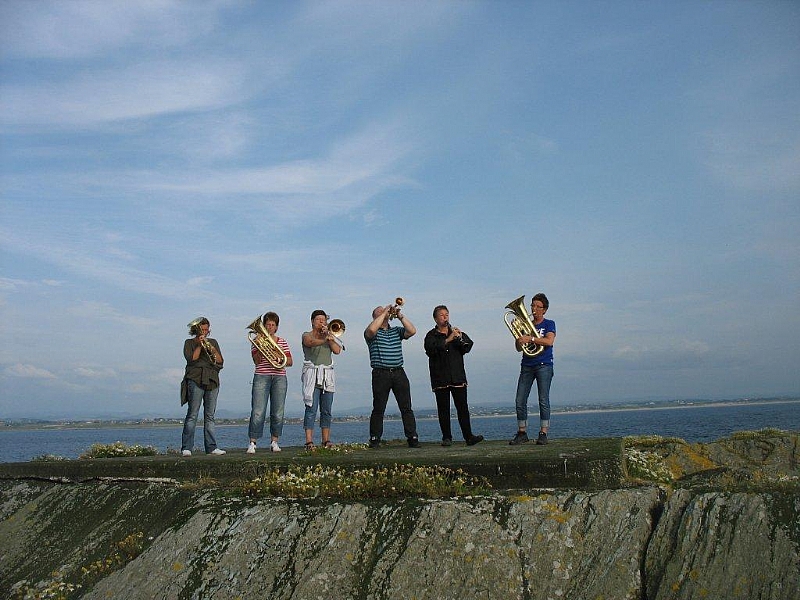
(638, 162)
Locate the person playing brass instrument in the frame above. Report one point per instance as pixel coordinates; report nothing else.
(269, 387)
(319, 382)
(388, 375)
(537, 368)
(200, 386)
(446, 346)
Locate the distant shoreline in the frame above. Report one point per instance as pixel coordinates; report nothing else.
(424, 415)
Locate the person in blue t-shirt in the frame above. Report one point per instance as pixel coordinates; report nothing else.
(537, 368)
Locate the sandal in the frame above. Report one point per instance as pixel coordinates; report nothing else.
(327, 444)
(310, 446)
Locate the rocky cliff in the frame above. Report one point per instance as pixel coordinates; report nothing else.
(726, 526)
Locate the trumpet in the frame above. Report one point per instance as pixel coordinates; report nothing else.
(263, 342)
(394, 311)
(519, 323)
(208, 347)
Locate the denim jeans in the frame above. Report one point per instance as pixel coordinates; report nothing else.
(322, 401)
(543, 375)
(208, 398)
(272, 389)
(383, 382)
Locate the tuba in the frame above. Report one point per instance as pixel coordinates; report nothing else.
(207, 346)
(263, 342)
(519, 323)
(394, 311)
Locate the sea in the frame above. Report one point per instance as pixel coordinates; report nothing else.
(693, 423)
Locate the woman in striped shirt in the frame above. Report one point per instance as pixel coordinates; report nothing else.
(269, 385)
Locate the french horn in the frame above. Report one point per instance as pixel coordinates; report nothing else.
(263, 342)
(519, 323)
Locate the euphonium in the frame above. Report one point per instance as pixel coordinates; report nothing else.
(519, 323)
(263, 342)
(208, 347)
(394, 311)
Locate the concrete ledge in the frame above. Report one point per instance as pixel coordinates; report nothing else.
(582, 463)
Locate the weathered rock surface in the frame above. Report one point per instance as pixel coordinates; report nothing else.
(166, 539)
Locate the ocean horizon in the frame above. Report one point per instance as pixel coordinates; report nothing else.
(693, 423)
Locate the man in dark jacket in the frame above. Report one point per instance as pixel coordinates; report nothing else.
(446, 346)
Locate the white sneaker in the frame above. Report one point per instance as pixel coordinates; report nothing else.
(274, 447)
(217, 452)
(186, 452)
(251, 449)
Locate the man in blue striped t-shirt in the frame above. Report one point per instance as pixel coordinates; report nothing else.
(386, 360)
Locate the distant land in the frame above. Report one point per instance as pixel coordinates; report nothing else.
(476, 411)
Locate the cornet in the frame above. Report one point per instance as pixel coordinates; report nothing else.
(394, 311)
(519, 323)
(263, 342)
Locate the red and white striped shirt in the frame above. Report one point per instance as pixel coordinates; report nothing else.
(263, 367)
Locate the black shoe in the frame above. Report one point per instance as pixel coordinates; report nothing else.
(413, 443)
(447, 442)
(374, 442)
(542, 439)
(474, 439)
(518, 439)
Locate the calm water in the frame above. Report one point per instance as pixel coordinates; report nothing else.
(693, 424)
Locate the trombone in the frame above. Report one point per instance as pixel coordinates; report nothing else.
(336, 328)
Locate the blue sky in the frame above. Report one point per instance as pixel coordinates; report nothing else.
(639, 162)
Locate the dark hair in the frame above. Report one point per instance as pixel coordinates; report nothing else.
(317, 313)
(543, 299)
(438, 308)
(271, 316)
(195, 329)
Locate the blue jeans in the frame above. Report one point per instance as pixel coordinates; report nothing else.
(272, 389)
(543, 375)
(322, 401)
(208, 398)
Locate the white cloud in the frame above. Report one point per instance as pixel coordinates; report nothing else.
(96, 373)
(80, 29)
(139, 91)
(28, 372)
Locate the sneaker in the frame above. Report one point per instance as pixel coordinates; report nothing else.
(542, 439)
(274, 446)
(374, 442)
(217, 452)
(251, 449)
(474, 439)
(518, 439)
(447, 442)
(413, 442)
(186, 452)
